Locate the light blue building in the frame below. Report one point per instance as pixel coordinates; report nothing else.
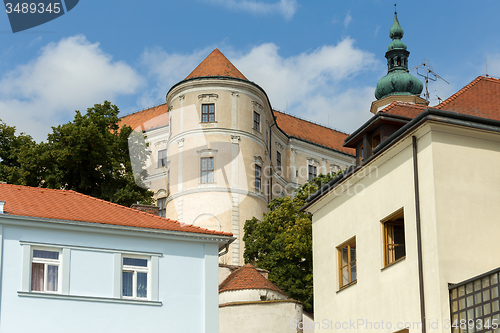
(73, 263)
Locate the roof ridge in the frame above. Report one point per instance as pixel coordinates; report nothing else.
(310, 121)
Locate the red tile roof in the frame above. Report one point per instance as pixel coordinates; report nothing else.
(480, 98)
(247, 277)
(216, 64)
(403, 109)
(312, 132)
(147, 119)
(74, 206)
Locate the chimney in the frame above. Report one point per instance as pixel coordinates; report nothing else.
(155, 210)
(2, 203)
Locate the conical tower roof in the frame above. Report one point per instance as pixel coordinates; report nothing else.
(247, 277)
(216, 65)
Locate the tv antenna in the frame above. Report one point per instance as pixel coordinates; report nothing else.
(428, 74)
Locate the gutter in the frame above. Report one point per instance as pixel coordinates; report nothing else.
(419, 236)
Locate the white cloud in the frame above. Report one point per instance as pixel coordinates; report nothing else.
(69, 75)
(286, 8)
(347, 20)
(315, 85)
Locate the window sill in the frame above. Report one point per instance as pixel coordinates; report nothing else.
(393, 263)
(204, 185)
(347, 286)
(88, 298)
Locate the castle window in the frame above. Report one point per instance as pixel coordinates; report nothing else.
(207, 170)
(162, 158)
(278, 160)
(162, 203)
(258, 178)
(312, 172)
(256, 121)
(207, 113)
(347, 263)
(394, 238)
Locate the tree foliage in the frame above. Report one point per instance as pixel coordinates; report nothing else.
(282, 243)
(88, 155)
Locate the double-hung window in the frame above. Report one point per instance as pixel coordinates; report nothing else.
(45, 270)
(135, 273)
(207, 113)
(258, 177)
(256, 121)
(207, 170)
(312, 172)
(162, 158)
(347, 263)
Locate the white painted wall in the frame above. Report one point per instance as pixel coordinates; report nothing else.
(187, 273)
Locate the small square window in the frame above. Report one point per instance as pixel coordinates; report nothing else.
(135, 277)
(394, 238)
(258, 177)
(278, 160)
(347, 263)
(162, 202)
(256, 121)
(207, 170)
(312, 172)
(45, 270)
(162, 158)
(207, 113)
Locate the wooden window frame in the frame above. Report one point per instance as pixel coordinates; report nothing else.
(395, 219)
(162, 207)
(350, 263)
(208, 113)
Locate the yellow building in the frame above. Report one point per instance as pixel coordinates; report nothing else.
(220, 153)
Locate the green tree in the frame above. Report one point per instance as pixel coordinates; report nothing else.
(10, 148)
(88, 155)
(282, 243)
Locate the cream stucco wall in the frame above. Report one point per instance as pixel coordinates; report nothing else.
(459, 211)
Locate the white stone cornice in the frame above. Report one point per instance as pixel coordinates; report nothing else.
(235, 139)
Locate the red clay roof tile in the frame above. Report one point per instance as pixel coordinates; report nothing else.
(73, 206)
(153, 117)
(216, 64)
(247, 277)
(315, 133)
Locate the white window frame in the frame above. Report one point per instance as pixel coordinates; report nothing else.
(46, 262)
(135, 270)
(162, 162)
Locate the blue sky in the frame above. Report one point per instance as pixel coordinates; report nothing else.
(318, 59)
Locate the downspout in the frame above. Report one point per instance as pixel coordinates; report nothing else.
(419, 236)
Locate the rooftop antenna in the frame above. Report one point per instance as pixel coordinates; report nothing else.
(486, 61)
(428, 74)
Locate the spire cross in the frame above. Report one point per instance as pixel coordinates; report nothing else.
(395, 12)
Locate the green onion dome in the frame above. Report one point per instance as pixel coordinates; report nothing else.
(397, 81)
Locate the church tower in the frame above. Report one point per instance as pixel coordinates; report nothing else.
(398, 84)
